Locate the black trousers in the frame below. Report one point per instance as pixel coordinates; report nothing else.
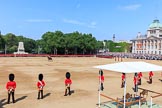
(102, 86)
(150, 80)
(9, 95)
(139, 83)
(69, 92)
(40, 92)
(123, 84)
(135, 88)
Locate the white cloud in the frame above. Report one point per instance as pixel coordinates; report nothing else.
(38, 20)
(75, 22)
(92, 24)
(131, 7)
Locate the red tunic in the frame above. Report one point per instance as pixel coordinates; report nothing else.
(140, 75)
(102, 78)
(135, 80)
(40, 84)
(151, 74)
(68, 81)
(11, 85)
(123, 77)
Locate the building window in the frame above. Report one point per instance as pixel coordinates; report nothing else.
(155, 46)
(159, 45)
(159, 52)
(148, 52)
(155, 52)
(150, 32)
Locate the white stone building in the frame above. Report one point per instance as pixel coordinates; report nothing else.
(151, 43)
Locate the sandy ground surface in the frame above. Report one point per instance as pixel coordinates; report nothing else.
(84, 77)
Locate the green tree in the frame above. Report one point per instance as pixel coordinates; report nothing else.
(11, 42)
(2, 44)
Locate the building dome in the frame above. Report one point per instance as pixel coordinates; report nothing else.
(155, 24)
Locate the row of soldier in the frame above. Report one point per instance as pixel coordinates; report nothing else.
(137, 80)
(11, 86)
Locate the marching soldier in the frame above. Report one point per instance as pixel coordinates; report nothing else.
(10, 86)
(135, 82)
(68, 83)
(40, 85)
(101, 79)
(123, 80)
(139, 78)
(150, 77)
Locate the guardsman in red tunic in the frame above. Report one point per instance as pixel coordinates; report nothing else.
(123, 80)
(10, 86)
(135, 82)
(101, 79)
(139, 78)
(40, 85)
(150, 77)
(68, 83)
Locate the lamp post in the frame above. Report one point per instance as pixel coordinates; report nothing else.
(5, 49)
(38, 48)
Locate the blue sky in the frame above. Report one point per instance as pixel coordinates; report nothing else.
(102, 18)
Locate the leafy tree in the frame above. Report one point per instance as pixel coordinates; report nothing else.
(2, 44)
(10, 41)
(59, 43)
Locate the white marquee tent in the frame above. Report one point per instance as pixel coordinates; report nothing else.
(129, 67)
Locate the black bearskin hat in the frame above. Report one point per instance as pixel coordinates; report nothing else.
(68, 75)
(100, 72)
(40, 77)
(123, 73)
(135, 74)
(11, 77)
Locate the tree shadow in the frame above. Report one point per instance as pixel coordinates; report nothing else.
(21, 98)
(46, 95)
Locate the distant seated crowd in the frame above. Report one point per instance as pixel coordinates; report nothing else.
(132, 55)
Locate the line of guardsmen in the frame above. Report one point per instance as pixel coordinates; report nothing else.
(11, 86)
(137, 80)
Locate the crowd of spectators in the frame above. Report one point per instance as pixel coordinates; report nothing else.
(131, 55)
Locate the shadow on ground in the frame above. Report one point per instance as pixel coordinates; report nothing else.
(46, 95)
(21, 98)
